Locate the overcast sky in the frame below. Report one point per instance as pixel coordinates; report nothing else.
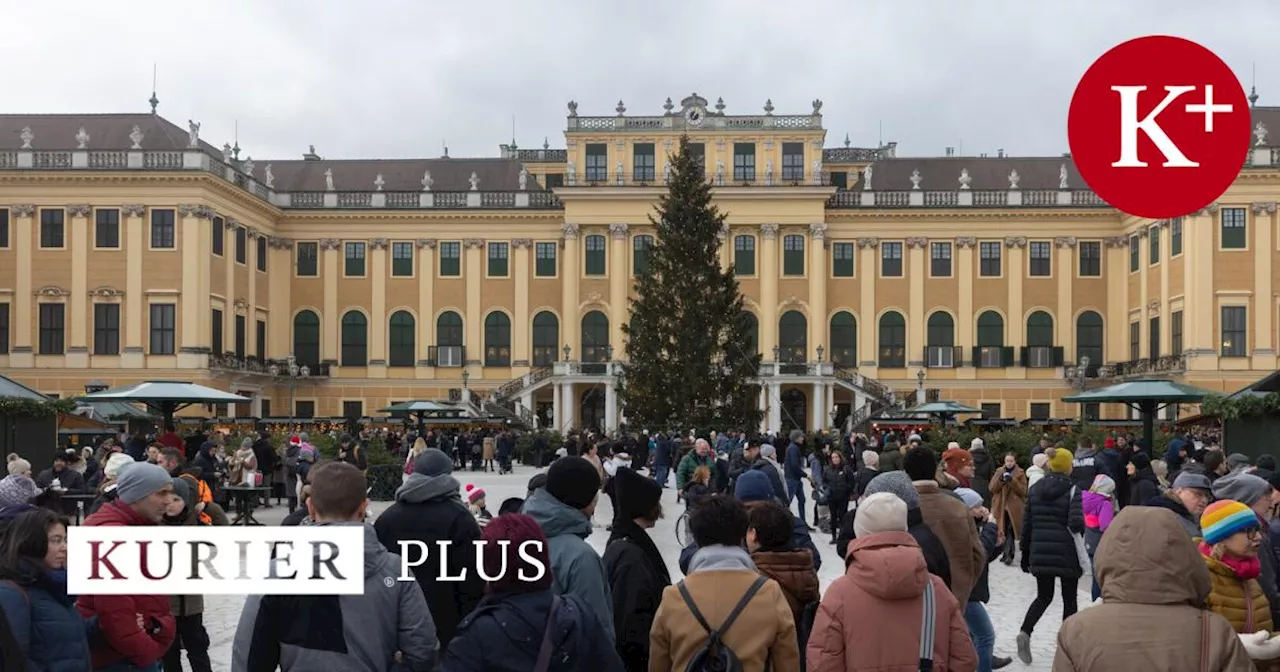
(396, 79)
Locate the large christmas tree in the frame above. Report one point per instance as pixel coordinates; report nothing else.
(689, 354)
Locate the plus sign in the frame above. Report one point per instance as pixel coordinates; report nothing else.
(1207, 108)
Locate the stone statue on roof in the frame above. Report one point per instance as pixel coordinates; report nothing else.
(1062, 176)
(82, 139)
(193, 133)
(328, 179)
(427, 181)
(226, 150)
(475, 181)
(268, 178)
(524, 178)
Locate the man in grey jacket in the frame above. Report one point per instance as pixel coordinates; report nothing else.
(354, 633)
(563, 509)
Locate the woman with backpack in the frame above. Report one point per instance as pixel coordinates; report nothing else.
(520, 624)
(42, 619)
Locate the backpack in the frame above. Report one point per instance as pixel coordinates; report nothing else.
(714, 656)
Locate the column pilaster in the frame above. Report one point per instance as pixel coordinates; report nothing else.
(557, 408)
(768, 288)
(869, 271)
(1065, 272)
(229, 317)
(190, 336)
(965, 336)
(1203, 249)
(131, 356)
(818, 285)
(251, 294)
(1264, 354)
(1115, 317)
(1016, 272)
(916, 273)
(378, 307)
(77, 308)
(21, 352)
(619, 273)
(473, 250)
(520, 338)
(331, 320)
(570, 279)
(818, 412)
(426, 302)
(1144, 294)
(279, 300)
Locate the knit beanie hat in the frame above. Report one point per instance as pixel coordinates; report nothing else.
(140, 480)
(572, 480)
(977, 444)
(753, 486)
(538, 481)
(1060, 461)
(507, 561)
(920, 464)
(1140, 461)
(768, 450)
(1242, 487)
(969, 496)
(1103, 485)
(17, 490)
(896, 483)
(1224, 518)
(181, 489)
(19, 467)
(1040, 460)
(1237, 461)
(637, 496)
(474, 493)
(114, 463)
(881, 512)
(956, 458)
(433, 462)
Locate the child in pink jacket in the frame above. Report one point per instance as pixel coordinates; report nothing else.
(1099, 510)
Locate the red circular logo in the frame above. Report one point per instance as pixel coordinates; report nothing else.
(1159, 127)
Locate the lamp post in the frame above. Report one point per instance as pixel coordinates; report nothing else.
(1078, 376)
(820, 351)
(920, 376)
(465, 376)
(293, 373)
(567, 350)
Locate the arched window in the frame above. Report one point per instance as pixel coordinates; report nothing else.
(844, 339)
(1089, 340)
(497, 339)
(940, 341)
(893, 340)
(448, 348)
(640, 246)
(546, 338)
(793, 337)
(306, 340)
(595, 337)
(355, 339)
(1040, 330)
(752, 346)
(990, 330)
(401, 334)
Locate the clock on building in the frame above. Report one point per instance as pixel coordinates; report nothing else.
(694, 115)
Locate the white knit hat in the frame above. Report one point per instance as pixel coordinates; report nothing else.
(880, 512)
(117, 460)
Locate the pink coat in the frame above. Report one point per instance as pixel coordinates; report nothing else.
(869, 618)
(1099, 510)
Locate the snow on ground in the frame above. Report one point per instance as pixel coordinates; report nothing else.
(1011, 590)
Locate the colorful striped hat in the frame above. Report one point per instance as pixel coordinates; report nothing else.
(1224, 518)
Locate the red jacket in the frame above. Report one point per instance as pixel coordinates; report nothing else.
(118, 615)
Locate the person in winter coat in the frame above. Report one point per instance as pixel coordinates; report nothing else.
(753, 460)
(816, 462)
(948, 517)
(775, 556)
(1008, 488)
(1154, 587)
(419, 446)
(701, 455)
(1099, 507)
(48, 633)
(69, 480)
(636, 569)
(698, 488)
(898, 484)
(509, 628)
(1256, 494)
(187, 610)
(891, 454)
(1230, 548)
(981, 630)
(563, 509)
(1143, 484)
(958, 464)
(839, 481)
(663, 453)
(1052, 518)
(1191, 492)
(136, 630)
(721, 576)
(870, 469)
(1037, 471)
(428, 510)
(984, 468)
(754, 486)
(292, 451)
(386, 627)
(869, 618)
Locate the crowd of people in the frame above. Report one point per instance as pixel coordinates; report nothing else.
(1172, 546)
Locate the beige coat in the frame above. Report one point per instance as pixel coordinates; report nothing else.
(1008, 498)
(951, 522)
(1154, 587)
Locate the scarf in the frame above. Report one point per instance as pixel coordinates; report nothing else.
(1244, 568)
(711, 558)
(418, 488)
(628, 530)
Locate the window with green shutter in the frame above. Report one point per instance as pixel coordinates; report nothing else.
(744, 255)
(498, 254)
(594, 246)
(842, 260)
(402, 260)
(793, 255)
(545, 262)
(450, 259)
(1234, 229)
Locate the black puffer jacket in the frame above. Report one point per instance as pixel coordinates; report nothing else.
(983, 469)
(1053, 515)
(1143, 487)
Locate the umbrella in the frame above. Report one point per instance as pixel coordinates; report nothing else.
(166, 397)
(942, 409)
(423, 409)
(1147, 396)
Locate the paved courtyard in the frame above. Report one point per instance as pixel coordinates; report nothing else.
(1011, 590)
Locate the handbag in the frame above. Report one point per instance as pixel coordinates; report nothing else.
(1082, 551)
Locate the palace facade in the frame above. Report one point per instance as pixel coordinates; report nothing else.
(132, 249)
